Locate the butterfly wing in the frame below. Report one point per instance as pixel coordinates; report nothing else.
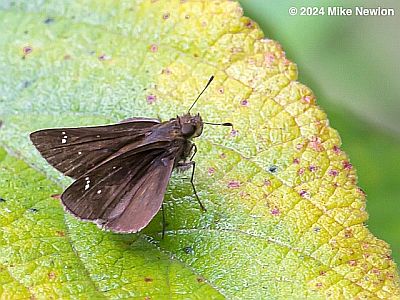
(125, 193)
(139, 207)
(74, 151)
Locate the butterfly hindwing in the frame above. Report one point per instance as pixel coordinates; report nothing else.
(74, 151)
(137, 209)
(123, 194)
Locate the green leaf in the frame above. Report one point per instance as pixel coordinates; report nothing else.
(45, 253)
(284, 213)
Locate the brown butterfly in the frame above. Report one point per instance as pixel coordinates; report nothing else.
(121, 170)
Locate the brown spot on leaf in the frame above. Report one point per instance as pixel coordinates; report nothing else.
(347, 165)
(200, 279)
(234, 133)
(316, 144)
(348, 233)
(233, 184)
(306, 99)
(153, 48)
(188, 250)
(250, 24)
(244, 102)
(333, 172)
(352, 263)
(304, 194)
(104, 57)
(211, 171)
(312, 168)
(51, 275)
(275, 211)
(269, 58)
(151, 98)
(60, 233)
(365, 246)
(148, 279)
(27, 50)
(337, 150)
(389, 276)
(48, 21)
(273, 169)
(361, 191)
(317, 229)
(166, 71)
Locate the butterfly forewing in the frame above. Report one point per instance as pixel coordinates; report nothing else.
(74, 151)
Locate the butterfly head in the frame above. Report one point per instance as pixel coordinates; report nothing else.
(191, 126)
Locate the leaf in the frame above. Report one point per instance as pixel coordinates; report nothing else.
(284, 213)
(45, 255)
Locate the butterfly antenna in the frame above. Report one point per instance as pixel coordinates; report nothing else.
(220, 124)
(208, 83)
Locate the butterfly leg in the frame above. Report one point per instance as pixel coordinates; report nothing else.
(192, 178)
(192, 163)
(164, 224)
(193, 186)
(194, 151)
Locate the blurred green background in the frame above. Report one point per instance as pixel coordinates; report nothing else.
(352, 64)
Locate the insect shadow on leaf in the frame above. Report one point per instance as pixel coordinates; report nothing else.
(122, 170)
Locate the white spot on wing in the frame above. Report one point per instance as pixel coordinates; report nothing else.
(63, 132)
(87, 186)
(99, 192)
(79, 152)
(63, 141)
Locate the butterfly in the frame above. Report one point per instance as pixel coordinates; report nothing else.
(121, 170)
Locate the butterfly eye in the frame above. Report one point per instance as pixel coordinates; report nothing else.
(188, 129)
